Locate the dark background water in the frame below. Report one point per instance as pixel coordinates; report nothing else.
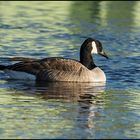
(67, 110)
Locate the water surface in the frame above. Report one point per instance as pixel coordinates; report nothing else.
(71, 110)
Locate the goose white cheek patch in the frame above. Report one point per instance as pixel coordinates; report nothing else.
(94, 48)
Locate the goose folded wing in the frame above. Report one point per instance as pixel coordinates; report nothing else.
(63, 70)
(53, 69)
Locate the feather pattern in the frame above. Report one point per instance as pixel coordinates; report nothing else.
(55, 69)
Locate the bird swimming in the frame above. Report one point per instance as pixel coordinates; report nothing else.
(59, 68)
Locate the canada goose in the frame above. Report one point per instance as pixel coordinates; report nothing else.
(60, 69)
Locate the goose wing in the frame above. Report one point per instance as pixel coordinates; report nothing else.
(59, 69)
(52, 69)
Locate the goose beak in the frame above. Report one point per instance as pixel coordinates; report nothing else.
(103, 54)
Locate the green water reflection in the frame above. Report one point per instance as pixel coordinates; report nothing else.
(62, 110)
(61, 21)
(45, 113)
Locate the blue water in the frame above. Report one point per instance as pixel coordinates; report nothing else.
(69, 110)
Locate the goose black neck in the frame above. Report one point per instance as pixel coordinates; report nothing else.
(87, 60)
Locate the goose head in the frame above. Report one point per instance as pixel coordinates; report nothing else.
(90, 46)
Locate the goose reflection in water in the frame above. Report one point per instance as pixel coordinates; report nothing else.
(86, 96)
(69, 90)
